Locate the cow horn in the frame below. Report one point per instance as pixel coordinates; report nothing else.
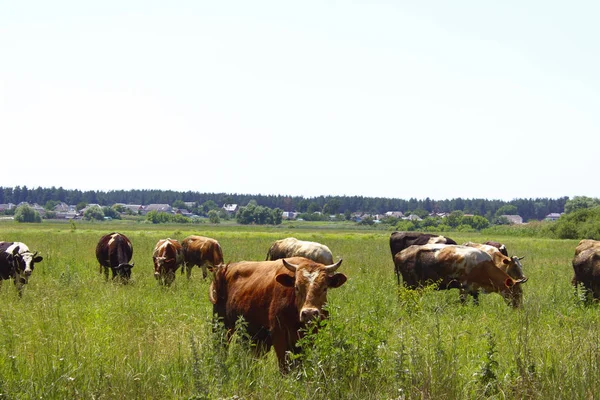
(520, 258)
(331, 268)
(290, 266)
(523, 280)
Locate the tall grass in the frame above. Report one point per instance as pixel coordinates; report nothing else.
(73, 335)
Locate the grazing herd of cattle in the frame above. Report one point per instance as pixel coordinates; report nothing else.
(278, 297)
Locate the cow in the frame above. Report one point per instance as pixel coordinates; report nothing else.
(511, 265)
(452, 266)
(499, 246)
(167, 257)
(402, 240)
(200, 251)
(292, 247)
(17, 263)
(586, 268)
(277, 299)
(114, 251)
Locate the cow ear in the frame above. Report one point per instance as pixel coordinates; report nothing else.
(286, 280)
(509, 282)
(336, 280)
(38, 259)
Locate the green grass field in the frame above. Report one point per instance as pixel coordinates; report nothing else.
(73, 335)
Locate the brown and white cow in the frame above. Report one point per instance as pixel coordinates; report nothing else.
(402, 240)
(453, 266)
(292, 247)
(17, 263)
(167, 257)
(499, 246)
(201, 251)
(114, 251)
(277, 299)
(586, 267)
(511, 265)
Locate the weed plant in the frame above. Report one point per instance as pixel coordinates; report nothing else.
(74, 335)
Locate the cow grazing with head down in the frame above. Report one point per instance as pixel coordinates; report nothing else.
(586, 267)
(402, 240)
(201, 251)
(167, 257)
(452, 266)
(511, 265)
(114, 251)
(17, 263)
(292, 247)
(277, 299)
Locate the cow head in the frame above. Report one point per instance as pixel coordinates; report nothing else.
(24, 262)
(311, 281)
(123, 271)
(164, 268)
(513, 292)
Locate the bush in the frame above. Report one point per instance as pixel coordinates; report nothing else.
(25, 213)
(94, 212)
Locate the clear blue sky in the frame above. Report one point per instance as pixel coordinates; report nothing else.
(395, 99)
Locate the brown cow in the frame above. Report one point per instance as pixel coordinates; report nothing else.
(167, 257)
(452, 266)
(114, 251)
(511, 265)
(586, 267)
(292, 247)
(402, 240)
(200, 251)
(276, 298)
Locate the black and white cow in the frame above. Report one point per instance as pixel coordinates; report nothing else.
(17, 263)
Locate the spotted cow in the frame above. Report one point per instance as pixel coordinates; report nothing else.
(17, 263)
(452, 266)
(402, 240)
(167, 257)
(511, 265)
(292, 247)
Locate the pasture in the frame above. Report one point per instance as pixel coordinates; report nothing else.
(73, 335)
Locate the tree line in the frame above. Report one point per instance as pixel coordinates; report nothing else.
(529, 209)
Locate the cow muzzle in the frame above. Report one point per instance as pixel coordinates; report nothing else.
(309, 314)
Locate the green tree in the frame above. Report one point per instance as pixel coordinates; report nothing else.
(213, 217)
(507, 209)
(94, 212)
(454, 219)
(178, 204)
(111, 212)
(25, 213)
(579, 202)
(50, 204)
(277, 216)
(81, 205)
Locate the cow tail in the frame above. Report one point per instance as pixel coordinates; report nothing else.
(218, 253)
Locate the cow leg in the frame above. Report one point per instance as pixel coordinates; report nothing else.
(475, 295)
(188, 271)
(280, 345)
(204, 273)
